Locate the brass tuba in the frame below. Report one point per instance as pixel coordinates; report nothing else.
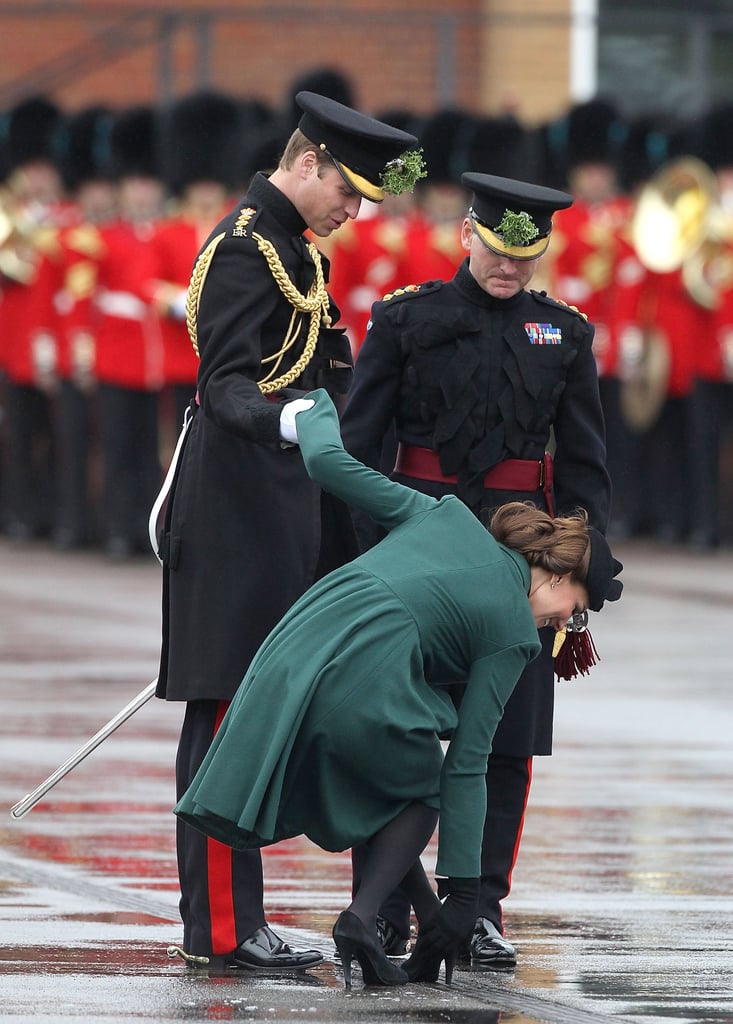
(675, 226)
(677, 215)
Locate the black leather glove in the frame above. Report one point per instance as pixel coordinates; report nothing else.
(455, 920)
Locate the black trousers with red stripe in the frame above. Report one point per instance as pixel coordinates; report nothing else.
(508, 781)
(221, 889)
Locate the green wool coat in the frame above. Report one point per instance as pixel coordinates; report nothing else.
(336, 727)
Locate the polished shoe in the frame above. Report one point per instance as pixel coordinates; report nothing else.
(265, 951)
(390, 939)
(489, 949)
(354, 941)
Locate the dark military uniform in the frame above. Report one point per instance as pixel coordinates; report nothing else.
(478, 382)
(247, 531)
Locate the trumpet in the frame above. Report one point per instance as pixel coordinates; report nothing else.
(19, 242)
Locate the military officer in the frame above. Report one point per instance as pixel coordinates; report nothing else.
(246, 531)
(474, 374)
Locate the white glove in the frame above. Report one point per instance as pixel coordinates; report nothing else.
(288, 431)
(177, 307)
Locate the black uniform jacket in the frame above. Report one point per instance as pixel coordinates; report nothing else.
(247, 531)
(480, 380)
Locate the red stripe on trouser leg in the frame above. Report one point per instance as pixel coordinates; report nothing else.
(221, 898)
(518, 840)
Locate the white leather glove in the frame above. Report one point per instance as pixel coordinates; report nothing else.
(288, 431)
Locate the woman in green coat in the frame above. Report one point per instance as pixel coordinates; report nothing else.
(335, 732)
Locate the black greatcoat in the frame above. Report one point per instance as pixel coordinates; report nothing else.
(247, 531)
(455, 370)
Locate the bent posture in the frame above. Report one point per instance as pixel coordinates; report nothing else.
(335, 732)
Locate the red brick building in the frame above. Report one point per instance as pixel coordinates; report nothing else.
(411, 54)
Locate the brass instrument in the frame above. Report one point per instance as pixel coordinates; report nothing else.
(645, 366)
(673, 214)
(678, 225)
(19, 242)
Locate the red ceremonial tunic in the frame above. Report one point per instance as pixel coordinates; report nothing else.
(175, 245)
(582, 258)
(129, 348)
(367, 261)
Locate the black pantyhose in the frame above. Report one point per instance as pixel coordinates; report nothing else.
(393, 858)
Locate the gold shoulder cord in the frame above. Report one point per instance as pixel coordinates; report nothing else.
(193, 296)
(315, 303)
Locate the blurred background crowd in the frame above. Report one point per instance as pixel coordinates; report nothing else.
(103, 210)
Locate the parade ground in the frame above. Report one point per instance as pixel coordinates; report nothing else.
(622, 904)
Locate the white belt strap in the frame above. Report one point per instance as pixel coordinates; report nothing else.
(167, 484)
(124, 305)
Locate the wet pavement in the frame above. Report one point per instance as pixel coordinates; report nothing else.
(622, 905)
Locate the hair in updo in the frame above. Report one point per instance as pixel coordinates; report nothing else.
(560, 546)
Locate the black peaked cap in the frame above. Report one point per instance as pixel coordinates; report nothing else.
(494, 196)
(360, 145)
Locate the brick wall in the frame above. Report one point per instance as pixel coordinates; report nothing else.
(398, 54)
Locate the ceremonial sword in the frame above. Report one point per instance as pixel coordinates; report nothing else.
(31, 799)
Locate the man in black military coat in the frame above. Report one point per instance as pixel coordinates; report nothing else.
(246, 530)
(475, 375)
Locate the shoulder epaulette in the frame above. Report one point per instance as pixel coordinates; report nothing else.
(86, 240)
(244, 222)
(544, 297)
(410, 290)
(46, 240)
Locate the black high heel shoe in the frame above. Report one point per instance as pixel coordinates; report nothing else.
(424, 964)
(354, 941)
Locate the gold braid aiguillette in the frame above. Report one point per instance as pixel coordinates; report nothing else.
(315, 303)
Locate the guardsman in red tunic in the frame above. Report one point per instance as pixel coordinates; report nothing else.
(668, 229)
(79, 251)
(587, 248)
(128, 342)
(37, 210)
(434, 251)
(638, 352)
(201, 179)
(367, 257)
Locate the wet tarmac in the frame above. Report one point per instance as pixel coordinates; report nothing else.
(622, 905)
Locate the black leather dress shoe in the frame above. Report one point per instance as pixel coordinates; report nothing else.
(489, 949)
(264, 951)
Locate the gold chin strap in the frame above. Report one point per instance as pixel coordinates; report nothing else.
(315, 303)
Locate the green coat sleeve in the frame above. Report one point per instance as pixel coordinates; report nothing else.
(329, 464)
(463, 778)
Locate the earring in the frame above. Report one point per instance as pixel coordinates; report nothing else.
(553, 585)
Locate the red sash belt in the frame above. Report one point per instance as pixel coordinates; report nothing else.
(509, 475)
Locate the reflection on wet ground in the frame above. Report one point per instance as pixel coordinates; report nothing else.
(621, 905)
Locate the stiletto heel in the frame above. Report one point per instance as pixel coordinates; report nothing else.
(450, 963)
(354, 941)
(346, 952)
